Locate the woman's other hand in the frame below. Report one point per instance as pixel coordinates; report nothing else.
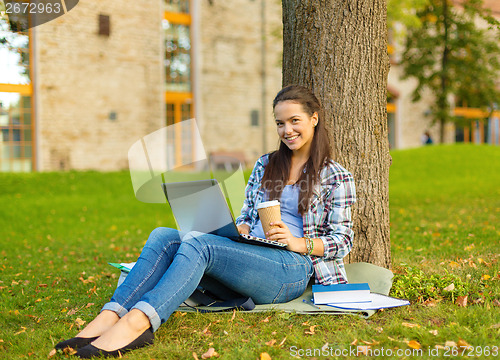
(282, 234)
(243, 229)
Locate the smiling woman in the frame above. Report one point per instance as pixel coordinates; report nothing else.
(16, 125)
(314, 226)
(295, 126)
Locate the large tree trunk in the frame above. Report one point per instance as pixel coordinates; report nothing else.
(338, 48)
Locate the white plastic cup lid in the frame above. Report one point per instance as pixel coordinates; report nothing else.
(266, 204)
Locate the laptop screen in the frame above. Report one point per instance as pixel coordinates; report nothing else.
(200, 206)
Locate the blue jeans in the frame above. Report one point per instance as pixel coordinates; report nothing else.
(172, 264)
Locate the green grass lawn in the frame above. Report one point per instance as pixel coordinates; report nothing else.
(58, 231)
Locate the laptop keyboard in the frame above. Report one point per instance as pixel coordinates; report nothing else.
(276, 243)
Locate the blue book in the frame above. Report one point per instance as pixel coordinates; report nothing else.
(341, 293)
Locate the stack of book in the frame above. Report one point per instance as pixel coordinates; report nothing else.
(353, 297)
(341, 293)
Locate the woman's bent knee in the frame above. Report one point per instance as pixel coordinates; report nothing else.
(162, 236)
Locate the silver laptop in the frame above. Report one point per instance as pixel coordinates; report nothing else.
(201, 206)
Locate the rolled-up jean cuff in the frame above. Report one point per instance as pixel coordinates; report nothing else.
(150, 312)
(117, 308)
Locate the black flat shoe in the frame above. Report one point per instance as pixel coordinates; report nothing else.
(74, 343)
(146, 338)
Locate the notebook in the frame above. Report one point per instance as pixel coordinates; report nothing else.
(201, 206)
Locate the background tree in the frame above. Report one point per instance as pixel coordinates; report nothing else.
(450, 55)
(404, 12)
(338, 48)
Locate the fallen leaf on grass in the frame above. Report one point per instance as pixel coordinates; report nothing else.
(90, 279)
(478, 300)
(195, 356)
(463, 343)
(433, 332)
(461, 301)
(496, 302)
(79, 322)
(410, 325)
(271, 342)
(470, 247)
(266, 319)
(20, 332)
(414, 344)
(481, 261)
(206, 331)
(373, 342)
(450, 344)
(52, 353)
(485, 277)
(453, 264)
(437, 321)
(210, 353)
(496, 326)
(72, 312)
(311, 330)
(265, 356)
(450, 287)
(234, 315)
(282, 342)
(354, 342)
(70, 351)
(396, 340)
(363, 349)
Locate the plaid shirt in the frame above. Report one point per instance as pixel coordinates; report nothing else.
(328, 217)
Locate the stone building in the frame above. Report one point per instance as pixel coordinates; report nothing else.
(78, 91)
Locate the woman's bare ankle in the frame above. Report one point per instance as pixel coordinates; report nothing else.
(102, 322)
(137, 320)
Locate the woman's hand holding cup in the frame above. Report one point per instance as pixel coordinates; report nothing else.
(280, 232)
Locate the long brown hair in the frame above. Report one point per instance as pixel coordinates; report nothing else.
(277, 172)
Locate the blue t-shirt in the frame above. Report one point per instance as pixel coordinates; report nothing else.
(289, 208)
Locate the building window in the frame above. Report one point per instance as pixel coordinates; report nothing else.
(254, 118)
(391, 119)
(177, 57)
(178, 81)
(476, 125)
(16, 115)
(176, 6)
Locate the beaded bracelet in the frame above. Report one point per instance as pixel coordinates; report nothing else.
(309, 245)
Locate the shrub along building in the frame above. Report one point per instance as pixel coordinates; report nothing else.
(78, 91)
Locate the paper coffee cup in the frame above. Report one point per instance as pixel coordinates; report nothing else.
(269, 211)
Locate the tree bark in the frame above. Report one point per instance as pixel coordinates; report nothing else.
(443, 97)
(338, 48)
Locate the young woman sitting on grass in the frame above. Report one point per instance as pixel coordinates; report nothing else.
(316, 195)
